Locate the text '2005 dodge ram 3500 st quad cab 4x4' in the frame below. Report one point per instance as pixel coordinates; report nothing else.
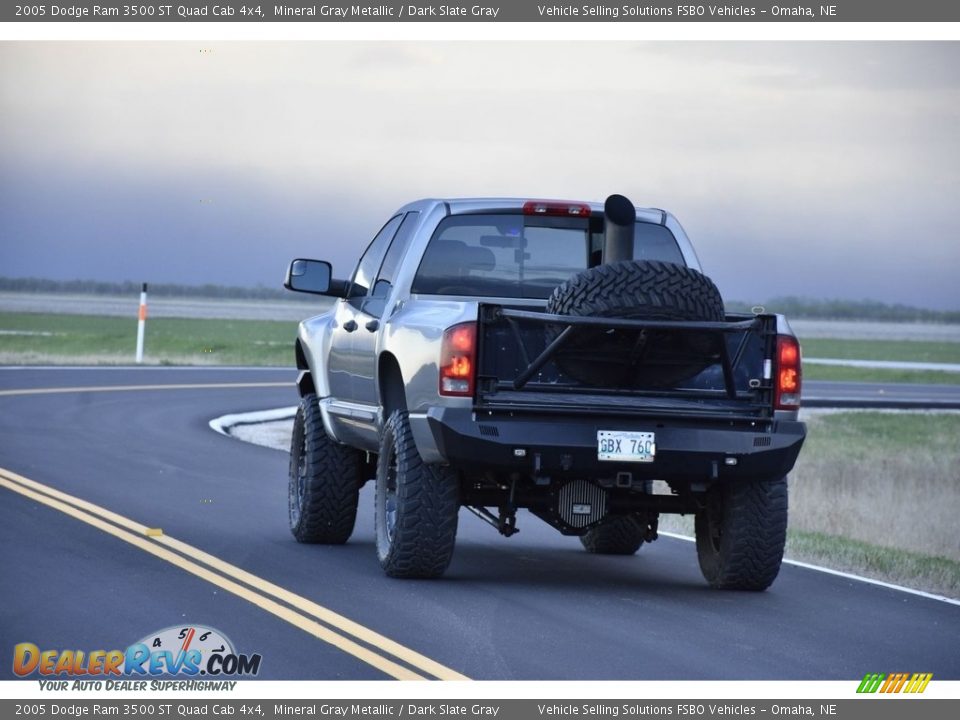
(564, 357)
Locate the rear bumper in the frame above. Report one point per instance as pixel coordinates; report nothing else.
(694, 451)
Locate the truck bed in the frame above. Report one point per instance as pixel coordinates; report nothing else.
(518, 369)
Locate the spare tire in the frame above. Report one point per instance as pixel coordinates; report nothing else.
(635, 289)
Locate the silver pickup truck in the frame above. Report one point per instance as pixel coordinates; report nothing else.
(564, 357)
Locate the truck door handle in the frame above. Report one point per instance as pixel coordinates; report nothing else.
(350, 325)
(372, 325)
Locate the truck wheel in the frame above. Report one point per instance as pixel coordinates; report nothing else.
(741, 534)
(416, 506)
(617, 535)
(324, 480)
(635, 289)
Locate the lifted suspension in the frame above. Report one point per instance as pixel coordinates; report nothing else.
(506, 521)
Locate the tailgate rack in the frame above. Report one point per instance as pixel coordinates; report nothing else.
(728, 361)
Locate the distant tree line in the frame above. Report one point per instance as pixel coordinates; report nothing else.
(791, 306)
(849, 310)
(97, 287)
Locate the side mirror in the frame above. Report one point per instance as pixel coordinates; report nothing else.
(310, 276)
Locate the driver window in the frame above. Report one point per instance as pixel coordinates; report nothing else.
(376, 303)
(370, 261)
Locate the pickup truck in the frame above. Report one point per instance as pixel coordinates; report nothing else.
(568, 358)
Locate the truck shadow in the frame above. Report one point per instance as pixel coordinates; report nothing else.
(574, 569)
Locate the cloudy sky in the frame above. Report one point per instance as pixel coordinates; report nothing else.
(807, 168)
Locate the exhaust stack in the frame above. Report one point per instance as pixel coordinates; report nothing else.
(619, 225)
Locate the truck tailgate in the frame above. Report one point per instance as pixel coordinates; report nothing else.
(518, 367)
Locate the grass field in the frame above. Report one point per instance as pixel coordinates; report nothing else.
(32, 338)
(27, 338)
(876, 476)
(899, 350)
(909, 350)
(881, 490)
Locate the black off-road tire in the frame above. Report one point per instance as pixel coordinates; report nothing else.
(416, 506)
(617, 535)
(635, 289)
(325, 479)
(741, 534)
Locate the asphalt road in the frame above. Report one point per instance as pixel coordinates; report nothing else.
(838, 394)
(534, 606)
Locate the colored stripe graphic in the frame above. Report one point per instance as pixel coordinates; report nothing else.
(894, 683)
(870, 682)
(923, 679)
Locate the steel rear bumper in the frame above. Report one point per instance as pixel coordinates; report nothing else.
(545, 445)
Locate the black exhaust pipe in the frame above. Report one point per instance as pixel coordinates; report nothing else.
(619, 225)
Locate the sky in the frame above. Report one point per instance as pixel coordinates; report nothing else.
(816, 169)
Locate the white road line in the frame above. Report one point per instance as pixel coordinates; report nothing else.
(887, 364)
(839, 573)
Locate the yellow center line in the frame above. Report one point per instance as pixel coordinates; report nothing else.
(129, 388)
(89, 512)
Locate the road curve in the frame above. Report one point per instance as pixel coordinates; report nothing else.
(531, 607)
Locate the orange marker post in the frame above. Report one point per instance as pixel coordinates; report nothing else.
(142, 323)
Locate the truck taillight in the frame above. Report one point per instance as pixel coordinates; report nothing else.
(556, 207)
(788, 373)
(458, 354)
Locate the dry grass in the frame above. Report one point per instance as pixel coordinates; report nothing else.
(923, 572)
(881, 478)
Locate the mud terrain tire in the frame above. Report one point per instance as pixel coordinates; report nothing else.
(741, 534)
(634, 289)
(325, 479)
(416, 506)
(618, 535)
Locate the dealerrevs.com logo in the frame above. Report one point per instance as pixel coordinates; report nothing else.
(191, 651)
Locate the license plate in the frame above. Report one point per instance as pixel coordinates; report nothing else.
(619, 446)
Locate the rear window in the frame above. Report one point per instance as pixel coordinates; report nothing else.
(650, 242)
(519, 256)
(502, 256)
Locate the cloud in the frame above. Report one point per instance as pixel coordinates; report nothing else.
(798, 168)
(818, 66)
